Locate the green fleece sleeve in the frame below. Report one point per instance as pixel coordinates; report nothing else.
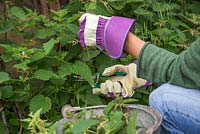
(161, 66)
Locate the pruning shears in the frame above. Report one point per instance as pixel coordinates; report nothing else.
(98, 78)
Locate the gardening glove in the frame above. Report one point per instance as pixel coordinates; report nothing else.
(121, 85)
(107, 33)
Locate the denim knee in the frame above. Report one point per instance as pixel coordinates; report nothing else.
(179, 108)
(156, 98)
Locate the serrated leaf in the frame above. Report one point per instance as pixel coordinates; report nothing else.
(42, 74)
(23, 66)
(109, 107)
(65, 69)
(134, 1)
(83, 69)
(142, 11)
(115, 123)
(7, 91)
(102, 9)
(73, 18)
(118, 5)
(44, 33)
(4, 77)
(131, 127)
(18, 12)
(48, 46)
(73, 52)
(162, 6)
(82, 125)
(37, 56)
(6, 26)
(73, 28)
(89, 98)
(89, 54)
(39, 102)
(90, 6)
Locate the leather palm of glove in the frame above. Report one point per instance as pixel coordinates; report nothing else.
(121, 85)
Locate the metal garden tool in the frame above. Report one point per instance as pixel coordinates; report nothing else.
(98, 78)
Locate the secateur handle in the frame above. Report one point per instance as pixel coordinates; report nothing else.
(97, 84)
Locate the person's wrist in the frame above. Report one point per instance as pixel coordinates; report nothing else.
(133, 45)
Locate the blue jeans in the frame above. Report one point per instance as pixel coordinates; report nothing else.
(179, 107)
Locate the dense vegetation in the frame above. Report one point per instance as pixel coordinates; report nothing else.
(38, 70)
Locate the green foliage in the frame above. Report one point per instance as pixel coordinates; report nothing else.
(18, 12)
(83, 69)
(119, 119)
(43, 74)
(79, 127)
(131, 127)
(40, 102)
(115, 123)
(6, 92)
(38, 70)
(4, 77)
(37, 125)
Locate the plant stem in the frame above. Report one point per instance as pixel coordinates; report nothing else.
(3, 115)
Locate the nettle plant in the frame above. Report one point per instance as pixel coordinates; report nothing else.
(48, 54)
(45, 63)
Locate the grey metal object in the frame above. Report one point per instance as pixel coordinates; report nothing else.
(148, 118)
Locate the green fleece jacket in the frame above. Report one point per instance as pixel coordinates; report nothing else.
(161, 66)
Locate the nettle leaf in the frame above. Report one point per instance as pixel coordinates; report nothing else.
(134, 1)
(142, 11)
(65, 69)
(83, 69)
(89, 54)
(73, 28)
(18, 12)
(161, 6)
(82, 125)
(6, 91)
(48, 46)
(44, 33)
(131, 128)
(73, 52)
(37, 56)
(118, 5)
(40, 102)
(23, 66)
(4, 77)
(102, 9)
(42, 74)
(73, 18)
(90, 6)
(115, 123)
(109, 107)
(89, 98)
(6, 26)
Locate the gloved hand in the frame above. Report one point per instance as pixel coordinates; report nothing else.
(107, 33)
(121, 85)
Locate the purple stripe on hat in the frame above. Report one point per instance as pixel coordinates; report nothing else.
(100, 32)
(81, 32)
